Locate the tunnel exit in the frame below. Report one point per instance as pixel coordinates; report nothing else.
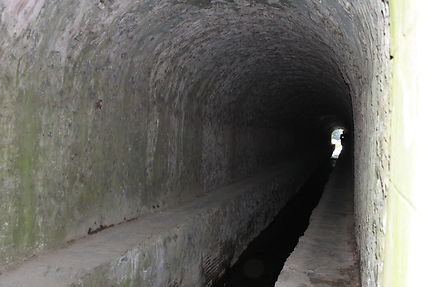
(336, 141)
(185, 126)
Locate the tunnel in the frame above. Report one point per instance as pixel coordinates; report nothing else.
(147, 143)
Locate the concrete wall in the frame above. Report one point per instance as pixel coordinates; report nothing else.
(407, 250)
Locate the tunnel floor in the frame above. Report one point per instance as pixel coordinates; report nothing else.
(260, 264)
(326, 255)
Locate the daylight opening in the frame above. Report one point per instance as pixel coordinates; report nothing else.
(336, 140)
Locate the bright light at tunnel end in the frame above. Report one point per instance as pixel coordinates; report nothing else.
(336, 141)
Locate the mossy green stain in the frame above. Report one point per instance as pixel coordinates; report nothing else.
(28, 128)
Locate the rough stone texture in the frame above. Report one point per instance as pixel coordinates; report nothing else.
(186, 246)
(326, 255)
(115, 109)
(372, 110)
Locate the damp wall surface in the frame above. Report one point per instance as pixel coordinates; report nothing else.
(111, 110)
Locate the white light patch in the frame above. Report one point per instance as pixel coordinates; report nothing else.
(336, 141)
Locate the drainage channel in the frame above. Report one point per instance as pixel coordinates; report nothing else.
(260, 264)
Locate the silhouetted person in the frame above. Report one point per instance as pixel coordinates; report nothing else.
(344, 139)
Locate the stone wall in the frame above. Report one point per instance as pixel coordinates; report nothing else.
(115, 109)
(112, 110)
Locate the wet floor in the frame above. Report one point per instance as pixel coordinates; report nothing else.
(262, 261)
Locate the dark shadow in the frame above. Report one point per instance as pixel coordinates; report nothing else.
(260, 264)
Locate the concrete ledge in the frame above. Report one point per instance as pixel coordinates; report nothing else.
(188, 246)
(326, 254)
